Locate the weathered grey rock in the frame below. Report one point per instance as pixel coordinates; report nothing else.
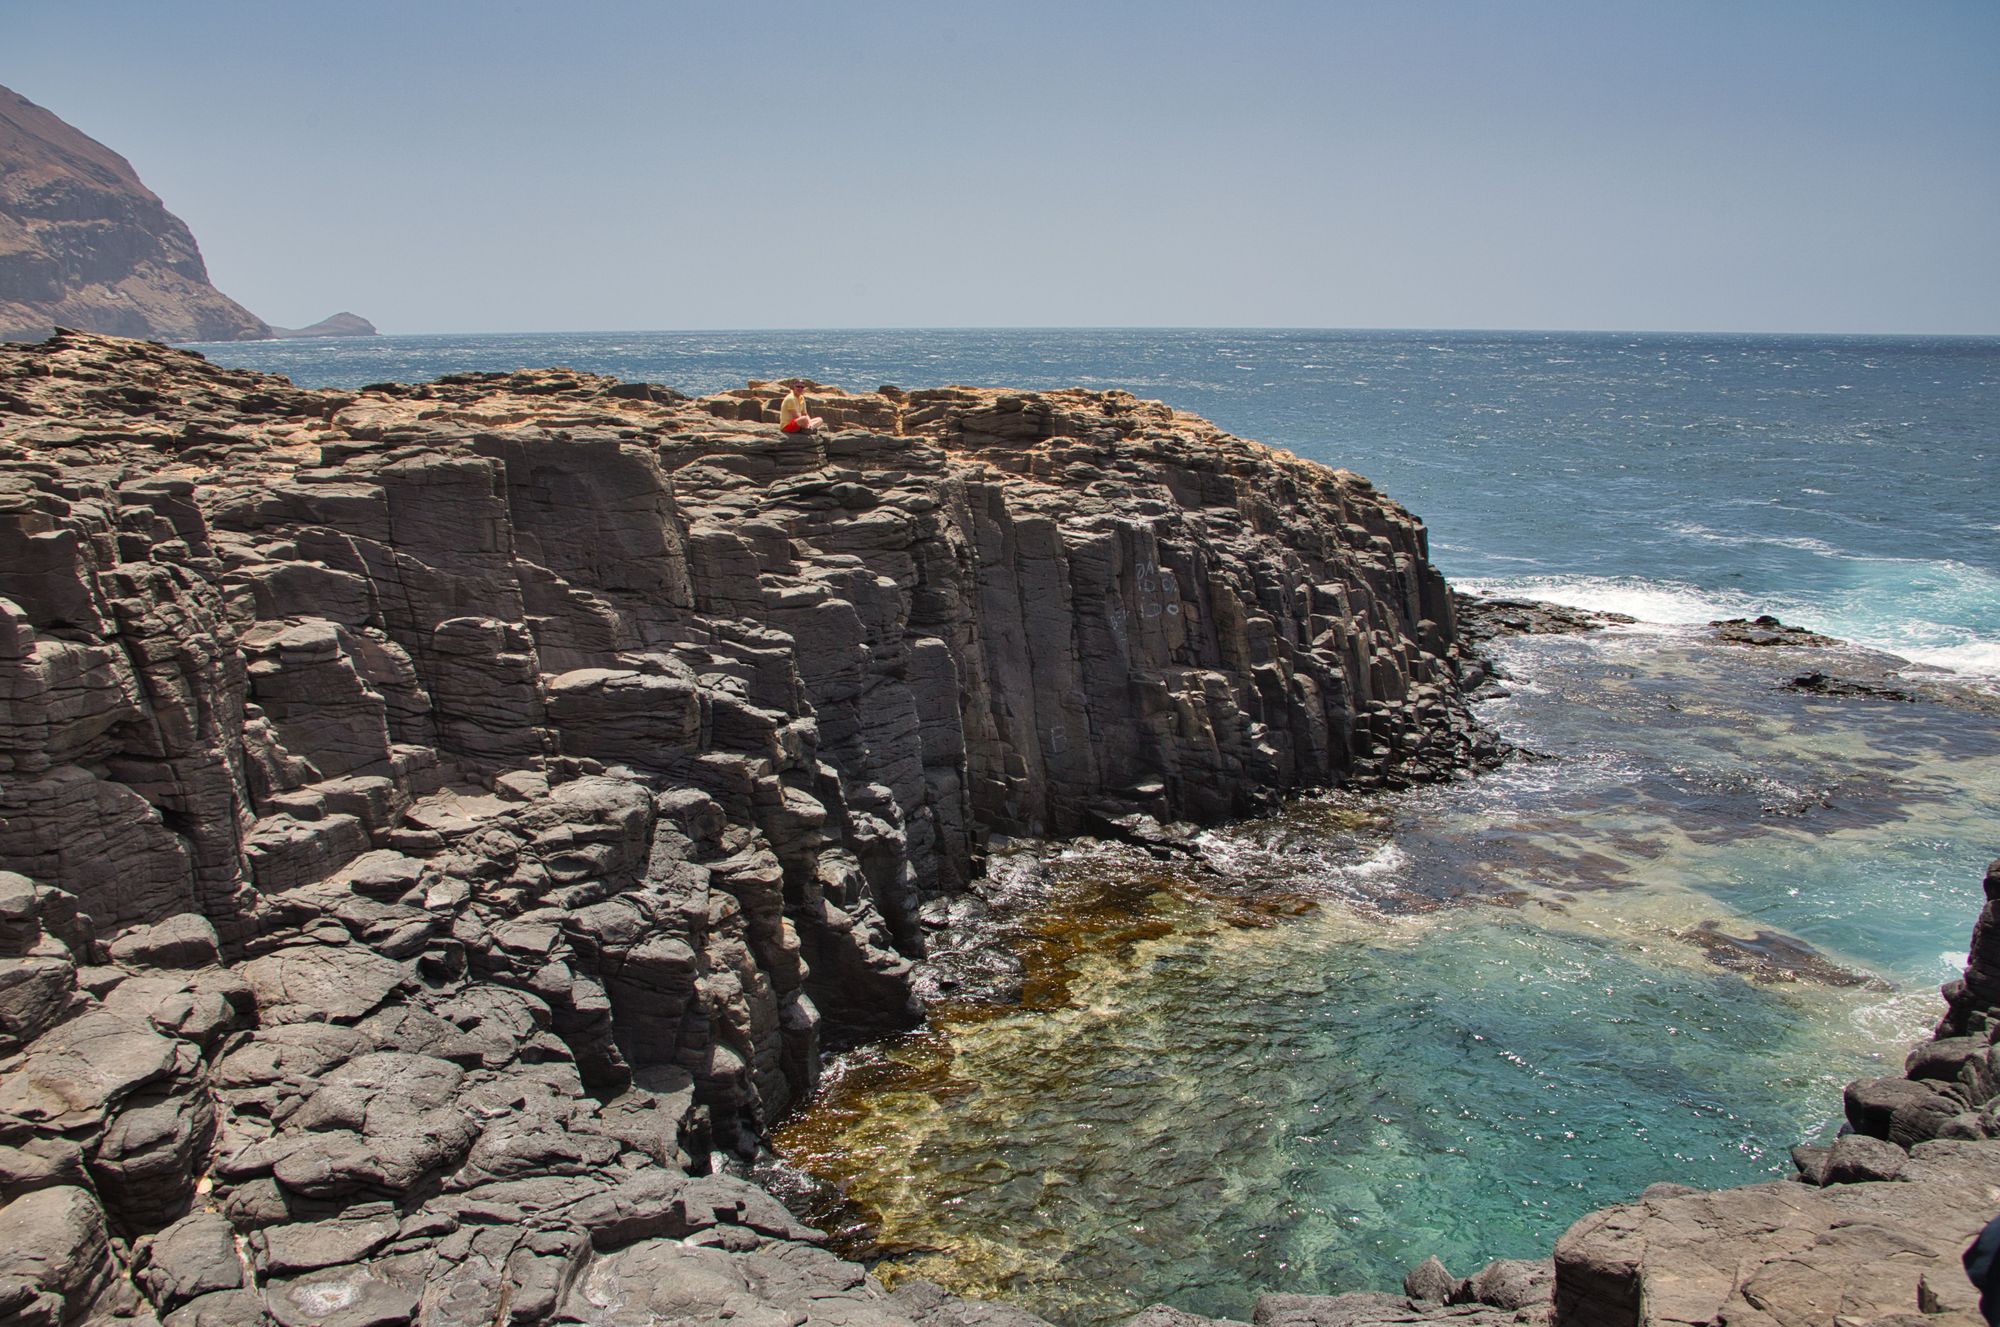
(195, 1256)
(1509, 1283)
(1372, 1309)
(1904, 1111)
(931, 1305)
(1857, 1251)
(56, 1264)
(320, 982)
(81, 1071)
(1430, 1280)
(1857, 1158)
(440, 813)
(377, 1295)
(1156, 1315)
(185, 940)
(288, 1250)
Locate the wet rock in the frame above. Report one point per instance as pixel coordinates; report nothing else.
(1766, 630)
(1769, 956)
(1484, 618)
(1819, 684)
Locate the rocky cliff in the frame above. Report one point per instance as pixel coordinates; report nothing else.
(436, 817)
(84, 244)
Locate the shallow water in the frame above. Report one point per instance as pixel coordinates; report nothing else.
(1449, 1021)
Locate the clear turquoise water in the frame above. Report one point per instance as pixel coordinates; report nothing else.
(1493, 1018)
(1453, 1020)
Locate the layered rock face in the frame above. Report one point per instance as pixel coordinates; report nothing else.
(436, 817)
(84, 244)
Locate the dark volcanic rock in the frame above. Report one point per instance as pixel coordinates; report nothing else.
(1482, 618)
(84, 244)
(436, 817)
(1819, 684)
(1766, 630)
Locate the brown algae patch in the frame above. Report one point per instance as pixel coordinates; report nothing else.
(1110, 914)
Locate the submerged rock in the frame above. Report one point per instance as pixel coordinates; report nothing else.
(1769, 956)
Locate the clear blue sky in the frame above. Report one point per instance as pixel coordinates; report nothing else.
(450, 165)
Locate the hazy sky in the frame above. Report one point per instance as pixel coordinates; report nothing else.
(493, 166)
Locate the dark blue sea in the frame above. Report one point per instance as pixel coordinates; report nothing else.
(1474, 1012)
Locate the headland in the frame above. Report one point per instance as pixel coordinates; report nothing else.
(440, 820)
(536, 772)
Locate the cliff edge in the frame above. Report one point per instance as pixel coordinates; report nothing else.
(436, 817)
(84, 244)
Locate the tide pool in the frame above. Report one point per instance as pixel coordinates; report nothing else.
(1448, 1021)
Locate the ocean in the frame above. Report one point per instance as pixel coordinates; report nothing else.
(1454, 1019)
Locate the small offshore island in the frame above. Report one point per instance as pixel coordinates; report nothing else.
(438, 819)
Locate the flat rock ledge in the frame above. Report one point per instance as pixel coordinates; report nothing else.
(435, 819)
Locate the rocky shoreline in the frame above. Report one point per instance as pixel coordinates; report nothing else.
(437, 817)
(1868, 1229)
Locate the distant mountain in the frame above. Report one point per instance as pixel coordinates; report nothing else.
(340, 324)
(84, 244)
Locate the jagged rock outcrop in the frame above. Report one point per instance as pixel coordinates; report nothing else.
(435, 817)
(84, 244)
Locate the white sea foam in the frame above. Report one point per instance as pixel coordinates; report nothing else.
(1385, 860)
(1654, 603)
(1913, 608)
(1803, 544)
(1977, 659)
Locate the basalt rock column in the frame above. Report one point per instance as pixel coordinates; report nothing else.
(435, 817)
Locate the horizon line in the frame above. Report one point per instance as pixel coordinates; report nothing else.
(1139, 327)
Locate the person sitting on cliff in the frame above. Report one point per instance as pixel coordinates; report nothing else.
(792, 416)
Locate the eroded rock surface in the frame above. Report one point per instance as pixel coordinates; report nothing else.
(436, 817)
